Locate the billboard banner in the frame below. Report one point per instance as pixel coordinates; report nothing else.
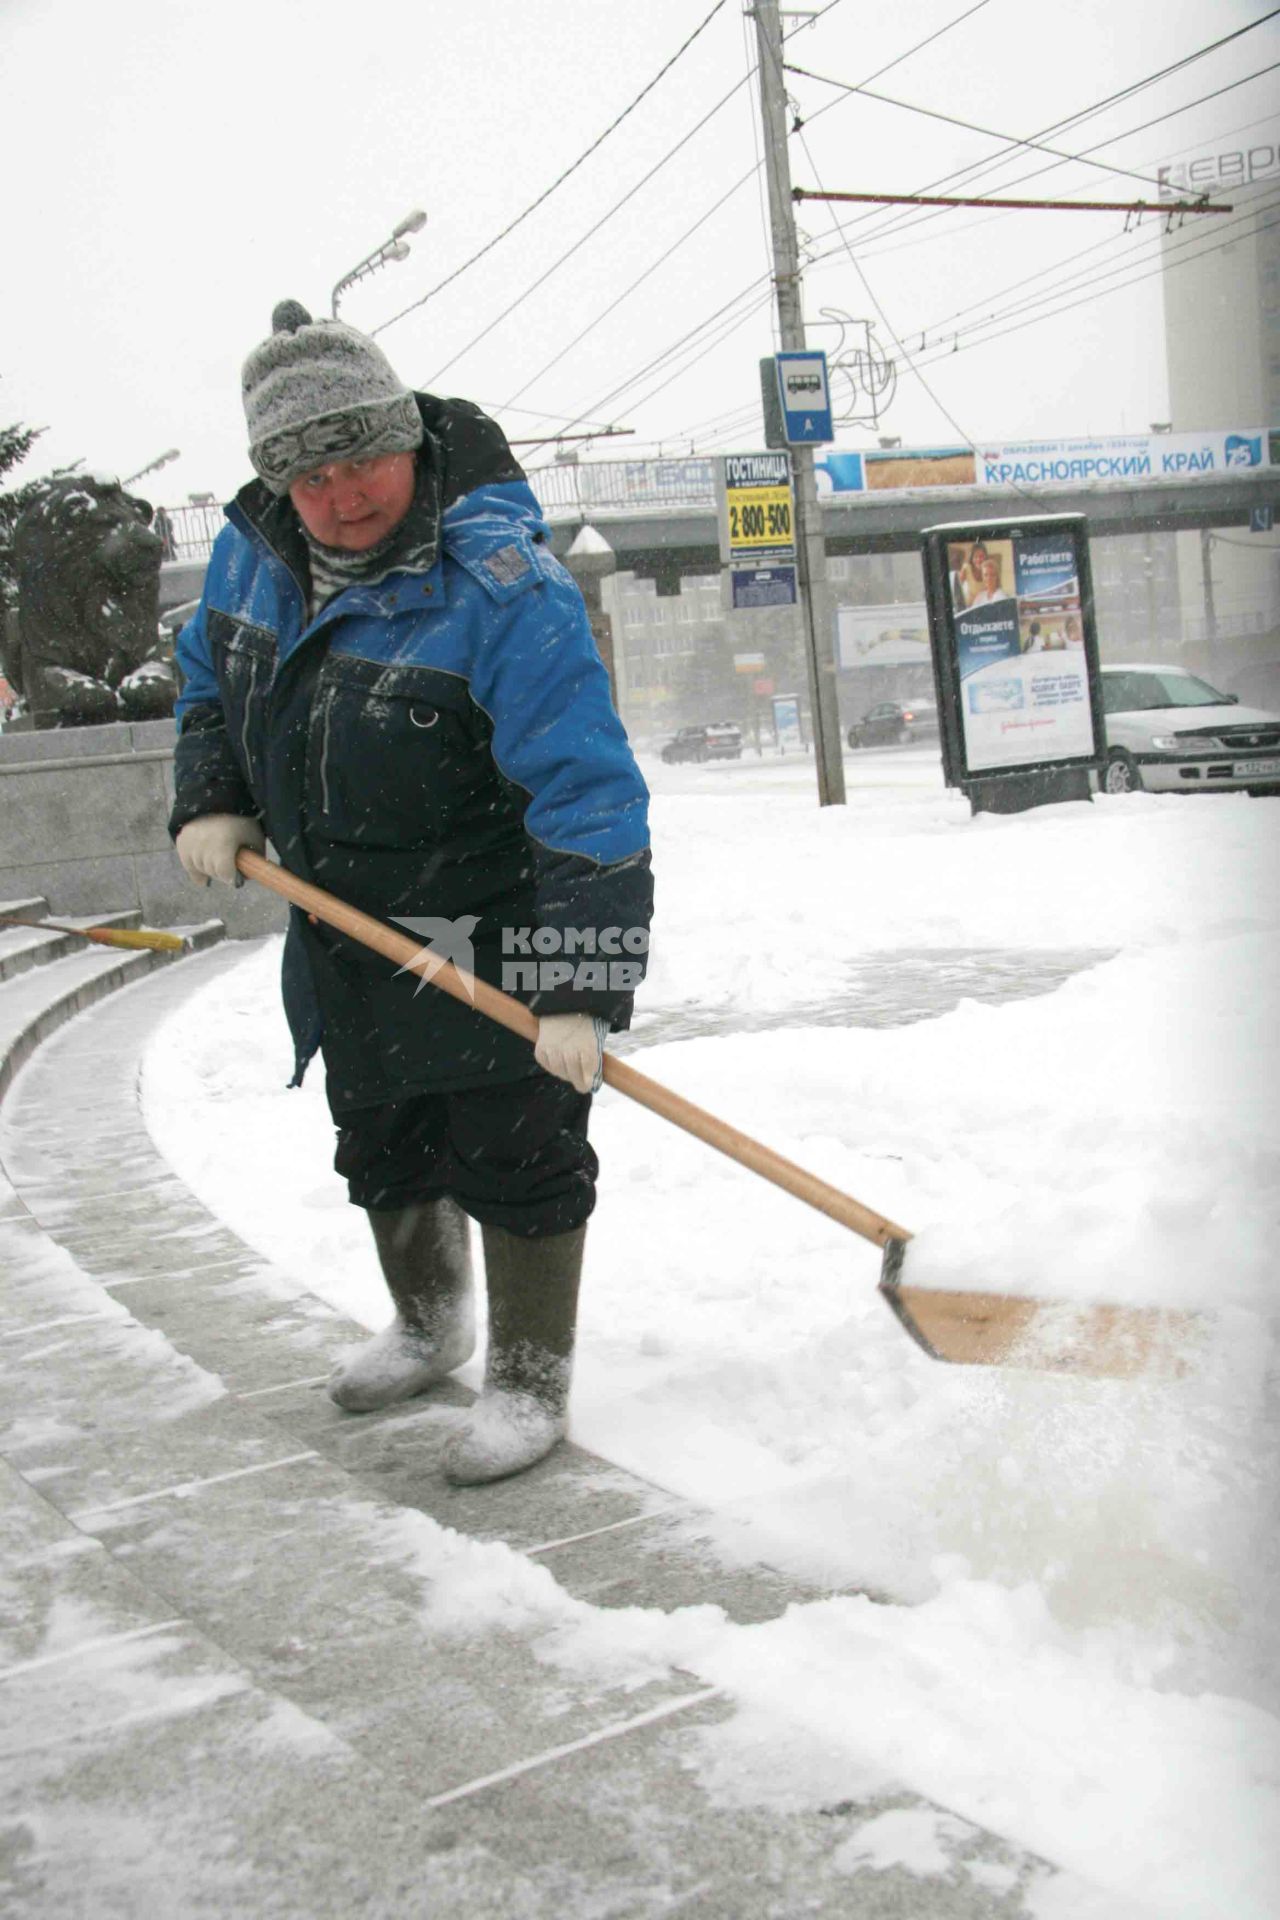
(1133, 456)
(1046, 463)
(896, 470)
(896, 635)
(1019, 662)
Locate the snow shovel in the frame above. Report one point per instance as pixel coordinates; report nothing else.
(985, 1329)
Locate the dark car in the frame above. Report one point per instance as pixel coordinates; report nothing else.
(715, 740)
(894, 723)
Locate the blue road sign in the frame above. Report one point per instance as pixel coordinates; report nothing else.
(805, 397)
(764, 586)
(1261, 519)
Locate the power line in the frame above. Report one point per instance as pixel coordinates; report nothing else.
(1125, 93)
(842, 229)
(669, 251)
(1073, 282)
(889, 328)
(582, 240)
(978, 169)
(969, 126)
(920, 45)
(897, 61)
(676, 346)
(629, 290)
(1135, 280)
(875, 251)
(555, 184)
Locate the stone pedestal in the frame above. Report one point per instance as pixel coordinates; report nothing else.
(84, 822)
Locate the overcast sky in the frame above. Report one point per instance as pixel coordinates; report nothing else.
(172, 168)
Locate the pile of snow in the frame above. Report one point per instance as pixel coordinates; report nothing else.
(1072, 1637)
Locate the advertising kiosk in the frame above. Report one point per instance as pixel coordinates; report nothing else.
(1015, 659)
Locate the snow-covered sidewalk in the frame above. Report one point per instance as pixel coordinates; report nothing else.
(1073, 1643)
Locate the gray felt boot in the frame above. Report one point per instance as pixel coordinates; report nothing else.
(426, 1261)
(533, 1312)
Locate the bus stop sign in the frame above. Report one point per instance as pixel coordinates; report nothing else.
(805, 398)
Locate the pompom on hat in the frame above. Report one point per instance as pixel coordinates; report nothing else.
(316, 391)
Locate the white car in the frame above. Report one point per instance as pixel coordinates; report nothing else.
(1168, 731)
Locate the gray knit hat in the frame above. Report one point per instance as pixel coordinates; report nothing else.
(318, 391)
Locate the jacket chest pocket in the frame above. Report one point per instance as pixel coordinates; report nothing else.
(393, 763)
(244, 659)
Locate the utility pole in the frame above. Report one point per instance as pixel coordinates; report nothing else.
(1210, 611)
(811, 552)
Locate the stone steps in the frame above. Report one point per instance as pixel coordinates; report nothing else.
(37, 999)
(22, 948)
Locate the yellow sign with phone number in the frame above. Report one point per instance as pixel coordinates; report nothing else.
(759, 517)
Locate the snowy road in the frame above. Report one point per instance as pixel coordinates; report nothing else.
(1049, 1043)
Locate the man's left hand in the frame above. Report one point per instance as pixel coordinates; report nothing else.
(571, 1045)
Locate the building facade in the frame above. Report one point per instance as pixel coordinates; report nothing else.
(1221, 289)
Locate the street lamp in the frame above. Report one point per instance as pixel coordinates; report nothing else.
(396, 247)
(161, 460)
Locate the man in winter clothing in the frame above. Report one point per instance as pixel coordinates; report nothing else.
(391, 677)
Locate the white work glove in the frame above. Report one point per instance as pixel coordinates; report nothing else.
(207, 847)
(571, 1045)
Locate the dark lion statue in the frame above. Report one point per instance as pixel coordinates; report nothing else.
(89, 650)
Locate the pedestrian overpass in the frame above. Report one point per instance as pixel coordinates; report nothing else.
(659, 516)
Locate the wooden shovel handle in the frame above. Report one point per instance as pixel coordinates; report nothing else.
(409, 953)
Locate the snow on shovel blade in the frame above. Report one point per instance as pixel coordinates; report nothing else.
(1058, 1336)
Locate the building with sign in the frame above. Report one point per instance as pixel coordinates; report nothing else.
(1222, 342)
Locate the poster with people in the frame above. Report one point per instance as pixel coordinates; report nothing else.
(1017, 618)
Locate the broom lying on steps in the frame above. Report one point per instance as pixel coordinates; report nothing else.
(105, 936)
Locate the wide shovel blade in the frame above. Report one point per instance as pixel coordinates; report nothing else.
(972, 1329)
(1004, 1330)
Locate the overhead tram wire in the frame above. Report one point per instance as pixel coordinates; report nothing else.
(637, 282)
(946, 353)
(591, 232)
(898, 60)
(760, 286)
(841, 229)
(912, 368)
(970, 126)
(892, 223)
(874, 251)
(1036, 320)
(555, 184)
(1083, 115)
(1079, 282)
(1021, 179)
(1128, 92)
(913, 365)
(943, 342)
(663, 257)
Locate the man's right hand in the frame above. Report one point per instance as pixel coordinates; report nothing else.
(207, 847)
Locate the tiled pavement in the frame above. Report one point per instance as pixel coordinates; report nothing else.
(220, 1689)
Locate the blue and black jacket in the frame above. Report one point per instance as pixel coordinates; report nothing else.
(440, 744)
